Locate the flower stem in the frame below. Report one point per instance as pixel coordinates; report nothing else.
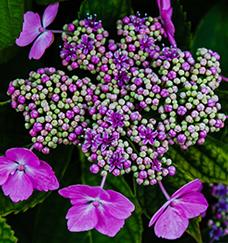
(5, 102)
(103, 182)
(163, 190)
(212, 240)
(224, 78)
(31, 148)
(61, 31)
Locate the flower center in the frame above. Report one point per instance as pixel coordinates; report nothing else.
(96, 204)
(41, 29)
(21, 168)
(173, 204)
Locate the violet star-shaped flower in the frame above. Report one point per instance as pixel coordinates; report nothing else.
(156, 164)
(32, 28)
(68, 52)
(172, 218)
(93, 24)
(148, 135)
(94, 207)
(92, 139)
(86, 44)
(137, 22)
(21, 172)
(116, 160)
(121, 60)
(216, 232)
(122, 78)
(107, 140)
(146, 43)
(166, 14)
(169, 53)
(115, 118)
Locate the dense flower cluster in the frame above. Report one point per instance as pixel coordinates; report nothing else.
(146, 98)
(219, 222)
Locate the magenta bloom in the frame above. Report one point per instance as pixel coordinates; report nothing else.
(166, 14)
(172, 217)
(21, 171)
(94, 207)
(32, 28)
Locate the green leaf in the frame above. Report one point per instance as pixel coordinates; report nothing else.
(11, 19)
(59, 160)
(207, 162)
(6, 234)
(194, 229)
(212, 33)
(183, 34)
(109, 11)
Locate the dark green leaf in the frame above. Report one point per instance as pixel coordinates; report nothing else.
(8, 53)
(11, 19)
(212, 33)
(59, 160)
(109, 11)
(194, 229)
(6, 234)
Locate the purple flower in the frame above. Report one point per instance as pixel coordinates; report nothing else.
(156, 164)
(137, 21)
(93, 24)
(107, 140)
(222, 205)
(21, 172)
(86, 44)
(116, 160)
(122, 78)
(32, 28)
(115, 118)
(68, 52)
(148, 135)
(172, 218)
(221, 190)
(146, 42)
(92, 139)
(166, 14)
(216, 232)
(121, 60)
(169, 53)
(94, 207)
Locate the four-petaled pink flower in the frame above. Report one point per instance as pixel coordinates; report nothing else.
(94, 207)
(172, 217)
(166, 14)
(21, 171)
(32, 28)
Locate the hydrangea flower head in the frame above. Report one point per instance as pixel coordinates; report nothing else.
(21, 172)
(32, 28)
(166, 13)
(172, 218)
(94, 207)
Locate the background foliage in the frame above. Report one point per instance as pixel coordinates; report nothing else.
(198, 23)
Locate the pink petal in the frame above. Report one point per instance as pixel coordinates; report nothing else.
(23, 156)
(18, 186)
(31, 27)
(119, 206)
(49, 14)
(98, 193)
(76, 193)
(82, 218)
(193, 204)
(158, 213)
(171, 224)
(107, 224)
(165, 4)
(42, 177)
(41, 44)
(159, 4)
(192, 186)
(167, 22)
(171, 39)
(7, 167)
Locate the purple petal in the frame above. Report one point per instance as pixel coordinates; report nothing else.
(42, 177)
(18, 186)
(193, 204)
(97, 192)
(82, 218)
(107, 224)
(165, 4)
(76, 193)
(192, 186)
(159, 4)
(23, 156)
(119, 206)
(31, 27)
(49, 14)
(166, 17)
(171, 224)
(41, 44)
(7, 167)
(171, 39)
(158, 213)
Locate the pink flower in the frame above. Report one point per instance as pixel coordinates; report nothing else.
(166, 14)
(21, 171)
(94, 207)
(32, 28)
(172, 217)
